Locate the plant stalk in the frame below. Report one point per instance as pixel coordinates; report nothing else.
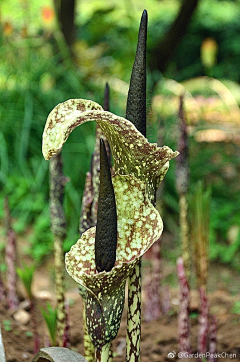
(103, 354)
(89, 350)
(184, 232)
(133, 336)
(2, 291)
(213, 339)
(58, 226)
(182, 186)
(66, 337)
(184, 307)
(11, 258)
(203, 321)
(59, 285)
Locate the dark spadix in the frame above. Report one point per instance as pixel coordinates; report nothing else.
(136, 102)
(106, 228)
(106, 106)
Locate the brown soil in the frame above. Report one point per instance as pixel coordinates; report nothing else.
(158, 337)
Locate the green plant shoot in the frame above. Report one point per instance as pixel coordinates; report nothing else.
(50, 317)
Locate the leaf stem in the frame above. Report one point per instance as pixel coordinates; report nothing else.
(184, 233)
(133, 336)
(103, 353)
(58, 227)
(59, 285)
(89, 350)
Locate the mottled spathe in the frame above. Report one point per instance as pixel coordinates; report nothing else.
(139, 226)
(132, 153)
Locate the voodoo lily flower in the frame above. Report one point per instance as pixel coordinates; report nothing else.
(139, 168)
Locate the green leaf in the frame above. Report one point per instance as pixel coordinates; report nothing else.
(50, 317)
(26, 276)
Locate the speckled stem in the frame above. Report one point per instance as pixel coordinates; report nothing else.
(66, 336)
(184, 234)
(89, 350)
(182, 185)
(110, 354)
(58, 227)
(203, 321)
(60, 289)
(184, 307)
(11, 258)
(103, 353)
(2, 291)
(213, 339)
(133, 336)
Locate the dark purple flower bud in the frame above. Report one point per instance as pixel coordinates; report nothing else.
(182, 179)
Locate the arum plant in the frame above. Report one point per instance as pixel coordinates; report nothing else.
(139, 169)
(200, 221)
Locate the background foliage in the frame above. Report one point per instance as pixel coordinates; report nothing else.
(37, 71)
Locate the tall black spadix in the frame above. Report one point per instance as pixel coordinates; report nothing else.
(136, 102)
(106, 228)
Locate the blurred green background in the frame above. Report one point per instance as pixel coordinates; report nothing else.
(45, 60)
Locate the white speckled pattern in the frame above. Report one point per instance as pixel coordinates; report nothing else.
(139, 168)
(139, 226)
(131, 151)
